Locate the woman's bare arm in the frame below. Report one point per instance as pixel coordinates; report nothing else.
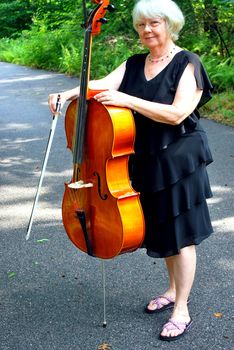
(185, 101)
(111, 82)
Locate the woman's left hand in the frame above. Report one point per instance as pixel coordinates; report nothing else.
(113, 98)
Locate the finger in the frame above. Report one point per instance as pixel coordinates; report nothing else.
(102, 95)
(52, 102)
(103, 99)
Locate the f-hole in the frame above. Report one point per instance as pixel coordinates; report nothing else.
(105, 196)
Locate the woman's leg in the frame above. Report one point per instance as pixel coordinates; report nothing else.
(182, 267)
(170, 292)
(170, 268)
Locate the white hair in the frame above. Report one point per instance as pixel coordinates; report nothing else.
(166, 9)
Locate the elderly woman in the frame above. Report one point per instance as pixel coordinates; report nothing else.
(164, 87)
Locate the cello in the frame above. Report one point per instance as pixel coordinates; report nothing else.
(101, 212)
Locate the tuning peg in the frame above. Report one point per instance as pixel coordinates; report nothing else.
(103, 20)
(110, 8)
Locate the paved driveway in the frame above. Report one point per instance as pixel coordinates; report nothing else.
(50, 292)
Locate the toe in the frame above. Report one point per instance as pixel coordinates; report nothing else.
(151, 306)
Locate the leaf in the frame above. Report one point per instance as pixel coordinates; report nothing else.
(104, 346)
(11, 274)
(218, 314)
(42, 240)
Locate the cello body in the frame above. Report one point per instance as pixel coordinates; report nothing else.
(101, 212)
(113, 221)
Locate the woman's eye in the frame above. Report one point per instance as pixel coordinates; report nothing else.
(154, 23)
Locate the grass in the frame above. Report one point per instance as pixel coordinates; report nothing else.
(220, 108)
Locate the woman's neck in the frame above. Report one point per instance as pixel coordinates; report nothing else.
(163, 52)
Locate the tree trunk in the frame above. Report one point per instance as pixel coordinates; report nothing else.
(212, 27)
(191, 24)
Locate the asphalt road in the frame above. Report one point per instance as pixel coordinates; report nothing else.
(50, 292)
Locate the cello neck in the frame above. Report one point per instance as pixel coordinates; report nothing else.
(82, 105)
(93, 27)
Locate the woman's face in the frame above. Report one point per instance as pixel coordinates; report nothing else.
(152, 32)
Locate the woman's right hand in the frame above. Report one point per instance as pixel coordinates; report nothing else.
(52, 101)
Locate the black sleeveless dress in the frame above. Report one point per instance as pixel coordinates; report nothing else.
(169, 164)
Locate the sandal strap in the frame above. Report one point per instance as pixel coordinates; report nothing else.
(159, 303)
(173, 325)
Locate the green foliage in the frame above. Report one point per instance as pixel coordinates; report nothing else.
(120, 47)
(220, 108)
(20, 17)
(121, 20)
(37, 48)
(215, 25)
(54, 13)
(71, 59)
(53, 38)
(220, 72)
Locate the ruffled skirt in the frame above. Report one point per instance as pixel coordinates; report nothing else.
(174, 186)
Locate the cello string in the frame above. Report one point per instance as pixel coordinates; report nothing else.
(74, 198)
(104, 293)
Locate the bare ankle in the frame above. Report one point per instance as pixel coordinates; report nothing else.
(171, 292)
(180, 311)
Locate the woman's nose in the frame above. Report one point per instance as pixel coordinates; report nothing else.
(147, 27)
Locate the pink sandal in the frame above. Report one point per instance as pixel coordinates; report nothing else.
(172, 325)
(160, 305)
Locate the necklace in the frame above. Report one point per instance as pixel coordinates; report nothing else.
(161, 59)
